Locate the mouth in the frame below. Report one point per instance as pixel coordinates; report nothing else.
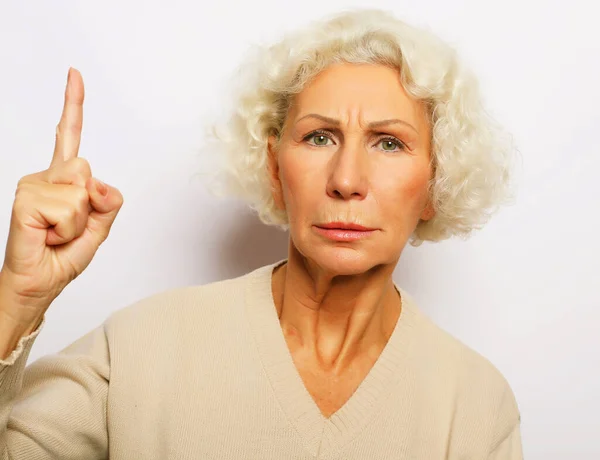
(344, 226)
(340, 231)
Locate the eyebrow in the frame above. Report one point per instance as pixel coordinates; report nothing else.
(373, 124)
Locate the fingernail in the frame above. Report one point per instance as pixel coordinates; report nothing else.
(101, 187)
(69, 76)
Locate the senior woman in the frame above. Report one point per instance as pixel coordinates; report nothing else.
(359, 134)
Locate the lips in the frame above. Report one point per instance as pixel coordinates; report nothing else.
(344, 226)
(342, 232)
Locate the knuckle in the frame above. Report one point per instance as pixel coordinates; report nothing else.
(20, 211)
(56, 175)
(81, 163)
(81, 166)
(19, 188)
(23, 181)
(69, 213)
(74, 171)
(102, 236)
(81, 197)
(23, 188)
(19, 206)
(119, 198)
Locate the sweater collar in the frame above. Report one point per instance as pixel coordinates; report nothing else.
(322, 435)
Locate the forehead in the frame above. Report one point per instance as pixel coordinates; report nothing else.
(368, 92)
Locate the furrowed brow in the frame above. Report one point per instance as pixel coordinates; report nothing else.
(372, 125)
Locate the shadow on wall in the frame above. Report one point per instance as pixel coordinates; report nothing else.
(246, 244)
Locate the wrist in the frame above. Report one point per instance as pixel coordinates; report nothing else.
(14, 315)
(11, 333)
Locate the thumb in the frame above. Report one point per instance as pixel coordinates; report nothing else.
(106, 202)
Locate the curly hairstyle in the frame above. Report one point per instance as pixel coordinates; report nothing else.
(472, 156)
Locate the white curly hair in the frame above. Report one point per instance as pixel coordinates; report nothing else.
(472, 156)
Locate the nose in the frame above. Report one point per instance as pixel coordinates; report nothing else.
(348, 178)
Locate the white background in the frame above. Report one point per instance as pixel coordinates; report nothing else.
(523, 291)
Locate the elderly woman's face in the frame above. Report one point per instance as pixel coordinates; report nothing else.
(355, 150)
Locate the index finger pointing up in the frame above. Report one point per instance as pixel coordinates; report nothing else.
(68, 131)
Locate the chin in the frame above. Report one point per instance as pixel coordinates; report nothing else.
(342, 261)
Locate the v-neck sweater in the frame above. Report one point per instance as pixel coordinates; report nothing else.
(205, 372)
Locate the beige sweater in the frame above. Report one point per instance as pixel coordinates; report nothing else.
(204, 372)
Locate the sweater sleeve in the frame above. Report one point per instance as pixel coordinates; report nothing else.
(55, 408)
(507, 444)
(510, 448)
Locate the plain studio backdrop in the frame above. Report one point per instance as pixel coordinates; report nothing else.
(523, 291)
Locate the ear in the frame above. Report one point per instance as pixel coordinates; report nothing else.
(273, 171)
(428, 212)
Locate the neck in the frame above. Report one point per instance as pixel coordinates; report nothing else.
(334, 320)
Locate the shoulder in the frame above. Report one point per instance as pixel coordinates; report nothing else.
(439, 345)
(172, 310)
(473, 380)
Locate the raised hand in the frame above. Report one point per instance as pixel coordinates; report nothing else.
(59, 219)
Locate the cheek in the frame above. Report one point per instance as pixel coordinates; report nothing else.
(298, 183)
(404, 193)
(415, 188)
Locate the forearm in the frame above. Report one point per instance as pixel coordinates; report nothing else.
(15, 321)
(11, 332)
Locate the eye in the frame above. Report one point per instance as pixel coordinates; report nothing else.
(319, 138)
(391, 144)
